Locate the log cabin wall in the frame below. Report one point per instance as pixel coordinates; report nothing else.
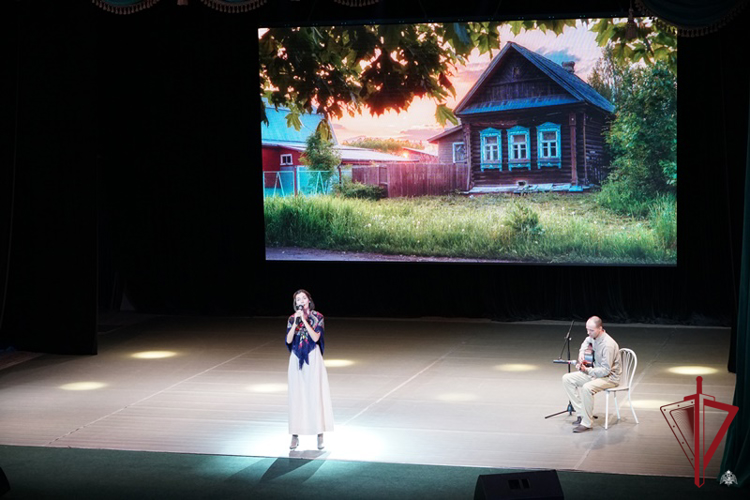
(535, 175)
(597, 159)
(591, 159)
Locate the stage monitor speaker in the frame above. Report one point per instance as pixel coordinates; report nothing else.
(536, 485)
(4, 484)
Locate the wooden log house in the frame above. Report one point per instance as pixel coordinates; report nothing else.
(528, 121)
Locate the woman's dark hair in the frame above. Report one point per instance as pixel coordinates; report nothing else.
(309, 297)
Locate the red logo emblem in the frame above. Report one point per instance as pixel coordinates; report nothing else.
(687, 420)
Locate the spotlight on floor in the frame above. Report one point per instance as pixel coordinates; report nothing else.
(154, 354)
(82, 386)
(349, 442)
(516, 367)
(693, 370)
(650, 404)
(338, 363)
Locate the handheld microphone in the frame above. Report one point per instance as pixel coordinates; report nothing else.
(298, 320)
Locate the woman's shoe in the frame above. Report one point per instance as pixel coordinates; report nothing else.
(295, 442)
(320, 441)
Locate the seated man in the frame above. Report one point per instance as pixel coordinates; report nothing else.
(591, 378)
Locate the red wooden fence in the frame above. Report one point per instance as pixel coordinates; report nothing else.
(415, 179)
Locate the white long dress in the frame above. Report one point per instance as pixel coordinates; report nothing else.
(310, 409)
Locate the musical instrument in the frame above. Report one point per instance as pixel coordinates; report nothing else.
(588, 356)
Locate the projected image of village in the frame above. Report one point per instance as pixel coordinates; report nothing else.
(541, 142)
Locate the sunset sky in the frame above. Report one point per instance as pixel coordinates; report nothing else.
(418, 123)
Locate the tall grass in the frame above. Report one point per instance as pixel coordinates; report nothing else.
(621, 198)
(663, 220)
(542, 227)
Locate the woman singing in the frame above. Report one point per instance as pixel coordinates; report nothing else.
(310, 409)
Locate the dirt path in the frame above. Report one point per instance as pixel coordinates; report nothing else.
(296, 253)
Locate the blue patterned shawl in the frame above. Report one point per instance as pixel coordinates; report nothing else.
(302, 344)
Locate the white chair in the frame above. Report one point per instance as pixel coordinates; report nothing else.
(629, 362)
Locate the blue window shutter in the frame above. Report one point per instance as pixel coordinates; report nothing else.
(550, 156)
(485, 162)
(519, 157)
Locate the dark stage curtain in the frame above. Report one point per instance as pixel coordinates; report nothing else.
(695, 17)
(9, 52)
(47, 179)
(737, 449)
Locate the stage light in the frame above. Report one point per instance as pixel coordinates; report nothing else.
(693, 370)
(650, 404)
(82, 386)
(457, 397)
(355, 443)
(338, 363)
(272, 442)
(516, 367)
(267, 388)
(345, 443)
(154, 354)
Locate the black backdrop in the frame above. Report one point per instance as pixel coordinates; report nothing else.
(133, 167)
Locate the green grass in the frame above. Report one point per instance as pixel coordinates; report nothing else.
(541, 228)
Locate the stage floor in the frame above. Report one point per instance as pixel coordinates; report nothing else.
(428, 391)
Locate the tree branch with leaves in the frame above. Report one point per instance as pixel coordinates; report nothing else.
(348, 69)
(345, 69)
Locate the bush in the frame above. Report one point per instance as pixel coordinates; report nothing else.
(349, 189)
(663, 220)
(643, 136)
(522, 218)
(619, 197)
(670, 172)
